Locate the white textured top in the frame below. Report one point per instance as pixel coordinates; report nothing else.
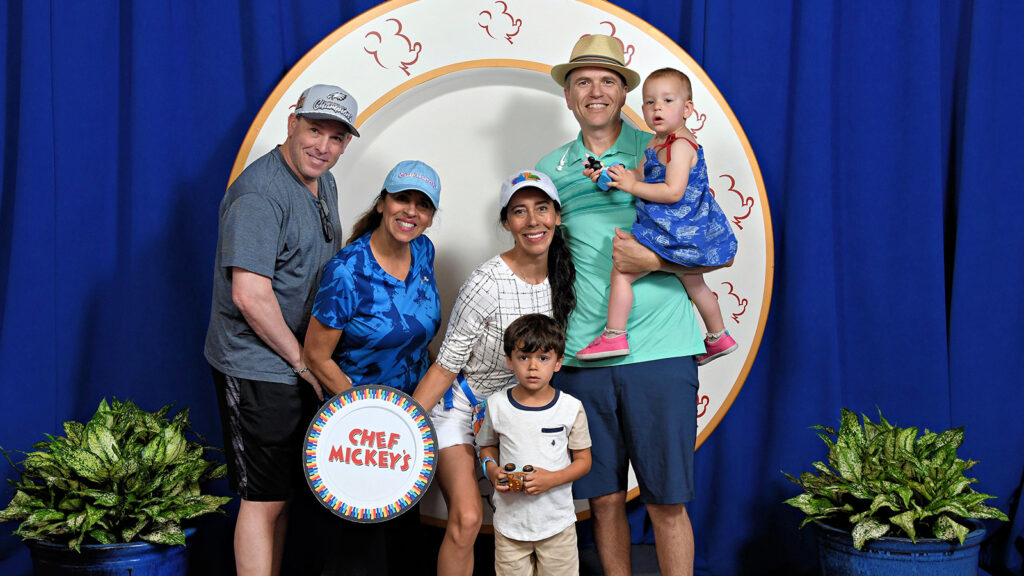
(490, 299)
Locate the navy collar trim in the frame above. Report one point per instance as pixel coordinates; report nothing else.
(532, 408)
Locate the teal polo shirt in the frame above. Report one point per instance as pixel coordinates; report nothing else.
(661, 322)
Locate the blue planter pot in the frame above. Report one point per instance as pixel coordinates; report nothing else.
(898, 556)
(135, 558)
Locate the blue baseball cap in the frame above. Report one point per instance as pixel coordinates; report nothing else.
(414, 175)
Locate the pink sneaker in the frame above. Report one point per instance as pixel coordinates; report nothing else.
(604, 347)
(720, 347)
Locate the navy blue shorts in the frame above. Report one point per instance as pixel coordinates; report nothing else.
(644, 413)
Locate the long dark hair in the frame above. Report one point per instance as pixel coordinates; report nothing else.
(561, 273)
(369, 221)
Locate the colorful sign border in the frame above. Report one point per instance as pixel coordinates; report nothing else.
(336, 406)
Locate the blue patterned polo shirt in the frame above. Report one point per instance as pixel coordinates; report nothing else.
(386, 322)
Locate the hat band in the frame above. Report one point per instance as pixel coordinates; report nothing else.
(596, 58)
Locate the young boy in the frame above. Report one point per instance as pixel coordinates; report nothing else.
(532, 424)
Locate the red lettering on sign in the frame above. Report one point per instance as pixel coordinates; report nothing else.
(367, 438)
(372, 439)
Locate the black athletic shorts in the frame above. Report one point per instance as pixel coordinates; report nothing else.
(263, 425)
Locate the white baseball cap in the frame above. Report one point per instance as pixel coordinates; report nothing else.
(527, 179)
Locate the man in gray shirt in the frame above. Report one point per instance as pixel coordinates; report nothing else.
(278, 226)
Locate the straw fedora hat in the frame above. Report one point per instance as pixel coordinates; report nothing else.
(599, 51)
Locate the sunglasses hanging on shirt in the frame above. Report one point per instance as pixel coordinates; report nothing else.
(325, 222)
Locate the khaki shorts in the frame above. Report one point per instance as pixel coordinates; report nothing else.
(554, 556)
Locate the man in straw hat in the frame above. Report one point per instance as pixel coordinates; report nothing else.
(278, 227)
(642, 407)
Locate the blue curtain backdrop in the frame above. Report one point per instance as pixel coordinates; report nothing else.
(887, 134)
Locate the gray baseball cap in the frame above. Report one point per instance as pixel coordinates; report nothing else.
(326, 102)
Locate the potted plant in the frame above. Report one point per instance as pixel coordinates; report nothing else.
(112, 489)
(892, 495)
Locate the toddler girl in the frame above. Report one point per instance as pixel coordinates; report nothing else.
(677, 217)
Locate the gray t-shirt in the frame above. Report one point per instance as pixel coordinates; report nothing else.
(269, 225)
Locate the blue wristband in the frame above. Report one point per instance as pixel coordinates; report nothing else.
(483, 464)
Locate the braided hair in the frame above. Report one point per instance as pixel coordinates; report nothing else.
(561, 273)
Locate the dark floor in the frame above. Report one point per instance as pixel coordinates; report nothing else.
(644, 560)
(307, 546)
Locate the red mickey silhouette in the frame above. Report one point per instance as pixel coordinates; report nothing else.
(745, 201)
(510, 22)
(702, 405)
(741, 303)
(627, 50)
(402, 59)
(698, 116)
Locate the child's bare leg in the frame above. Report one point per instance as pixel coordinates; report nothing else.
(705, 300)
(613, 341)
(718, 342)
(620, 299)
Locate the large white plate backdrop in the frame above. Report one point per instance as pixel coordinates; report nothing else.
(463, 85)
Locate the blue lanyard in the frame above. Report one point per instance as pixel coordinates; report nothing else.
(449, 395)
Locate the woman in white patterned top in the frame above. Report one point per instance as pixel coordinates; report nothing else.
(535, 276)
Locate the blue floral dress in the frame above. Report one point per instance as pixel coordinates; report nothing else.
(693, 231)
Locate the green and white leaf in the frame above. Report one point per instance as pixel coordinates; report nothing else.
(170, 534)
(868, 529)
(906, 521)
(947, 529)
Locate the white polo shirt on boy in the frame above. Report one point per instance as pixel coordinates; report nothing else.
(542, 438)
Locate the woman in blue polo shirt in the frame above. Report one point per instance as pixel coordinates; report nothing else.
(378, 306)
(375, 313)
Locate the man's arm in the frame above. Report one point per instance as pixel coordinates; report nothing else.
(254, 296)
(631, 256)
